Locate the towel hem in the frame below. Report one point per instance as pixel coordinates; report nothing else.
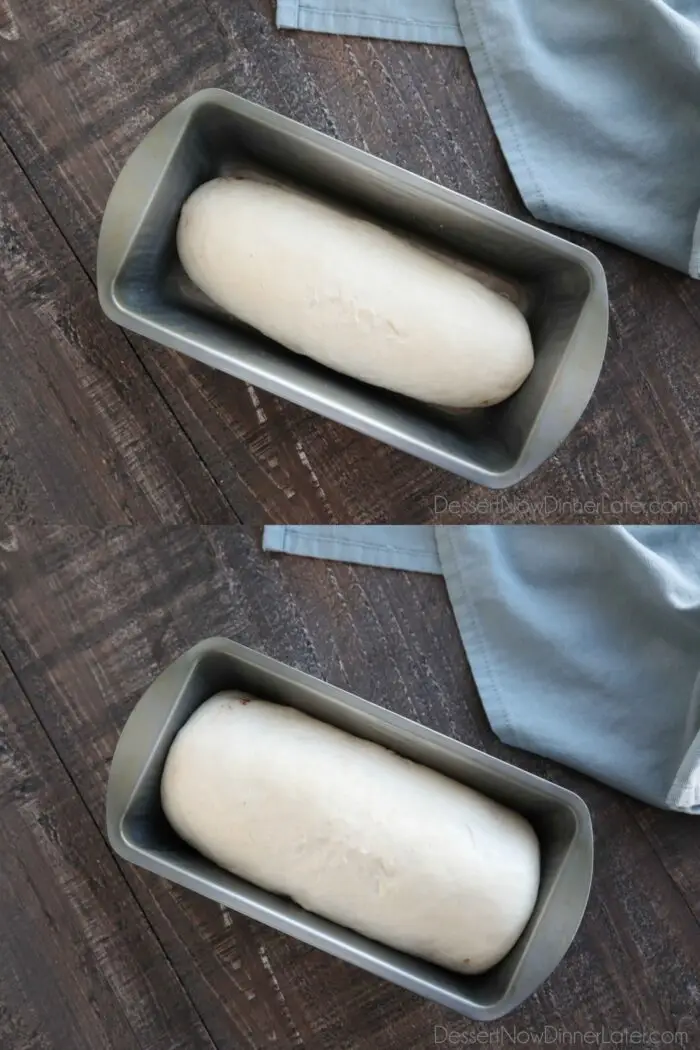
(685, 792)
(291, 14)
(473, 638)
(694, 267)
(416, 554)
(494, 96)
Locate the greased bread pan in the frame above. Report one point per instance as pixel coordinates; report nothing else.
(139, 832)
(142, 286)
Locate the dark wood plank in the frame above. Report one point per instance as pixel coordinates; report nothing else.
(91, 617)
(680, 855)
(75, 104)
(79, 967)
(84, 434)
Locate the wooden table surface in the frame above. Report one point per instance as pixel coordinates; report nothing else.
(98, 955)
(98, 426)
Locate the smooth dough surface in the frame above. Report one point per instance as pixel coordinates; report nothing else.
(352, 295)
(352, 831)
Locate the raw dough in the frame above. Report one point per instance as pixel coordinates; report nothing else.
(352, 831)
(352, 295)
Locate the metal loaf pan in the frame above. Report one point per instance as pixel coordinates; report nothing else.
(139, 831)
(142, 286)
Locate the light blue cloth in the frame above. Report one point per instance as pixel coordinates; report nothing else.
(584, 641)
(596, 103)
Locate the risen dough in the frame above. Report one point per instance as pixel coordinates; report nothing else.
(352, 831)
(352, 295)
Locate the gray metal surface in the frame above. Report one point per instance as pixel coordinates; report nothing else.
(142, 286)
(139, 832)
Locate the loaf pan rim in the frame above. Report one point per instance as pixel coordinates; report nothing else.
(174, 680)
(560, 409)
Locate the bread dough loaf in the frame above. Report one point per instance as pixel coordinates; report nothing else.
(352, 295)
(352, 831)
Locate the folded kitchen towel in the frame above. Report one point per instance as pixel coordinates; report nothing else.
(584, 641)
(596, 103)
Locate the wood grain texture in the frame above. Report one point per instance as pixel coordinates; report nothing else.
(80, 84)
(90, 617)
(79, 965)
(85, 435)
